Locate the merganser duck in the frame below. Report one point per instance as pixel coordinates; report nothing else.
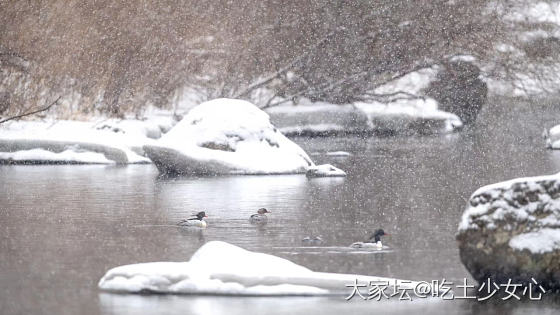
(374, 241)
(309, 240)
(260, 216)
(197, 220)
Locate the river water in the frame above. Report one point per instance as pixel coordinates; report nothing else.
(62, 227)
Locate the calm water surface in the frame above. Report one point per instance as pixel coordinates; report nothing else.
(62, 227)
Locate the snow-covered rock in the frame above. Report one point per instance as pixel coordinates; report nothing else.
(242, 273)
(66, 141)
(325, 170)
(511, 230)
(227, 136)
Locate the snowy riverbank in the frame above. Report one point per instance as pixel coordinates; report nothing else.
(103, 141)
(406, 112)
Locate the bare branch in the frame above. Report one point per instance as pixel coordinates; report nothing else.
(391, 96)
(284, 69)
(31, 112)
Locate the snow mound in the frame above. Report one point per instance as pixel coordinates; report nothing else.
(67, 141)
(227, 136)
(242, 273)
(325, 170)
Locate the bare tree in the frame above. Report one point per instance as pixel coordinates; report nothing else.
(116, 57)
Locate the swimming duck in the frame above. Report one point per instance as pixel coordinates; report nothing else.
(197, 220)
(260, 216)
(312, 240)
(374, 241)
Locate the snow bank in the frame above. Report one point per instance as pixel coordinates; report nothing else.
(71, 155)
(64, 141)
(242, 273)
(401, 116)
(410, 116)
(402, 113)
(319, 119)
(227, 136)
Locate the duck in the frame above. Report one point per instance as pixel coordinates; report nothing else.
(374, 241)
(312, 240)
(196, 221)
(259, 217)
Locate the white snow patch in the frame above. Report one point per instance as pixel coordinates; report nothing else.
(128, 137)
(314, 128)
(418, 108)
(412, 83)
(541, 241)
(325, 170)
(338, 153)
(241, 273)
(69, 155)
(541, 12)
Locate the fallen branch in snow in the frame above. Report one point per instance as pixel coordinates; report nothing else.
(31, 112)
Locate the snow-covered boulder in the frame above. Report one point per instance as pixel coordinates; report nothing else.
(241, 273)
(325, 170)
(74, 142)
(511, 230)
(227, 136)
